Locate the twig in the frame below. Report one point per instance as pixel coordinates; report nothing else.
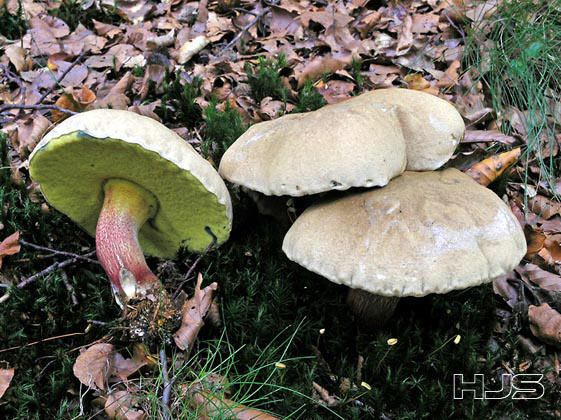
(69, 288)
(58, 337)
(38, 107)
(53, 267)
(56, 251)
(62, 76)
(167, 386)
(243, 31)
(187, 276)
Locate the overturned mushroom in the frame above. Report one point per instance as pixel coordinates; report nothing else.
(425, 232)
(136, 186)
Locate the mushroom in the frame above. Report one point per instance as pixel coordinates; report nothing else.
(432, 127)
(362, 142)
(137, 187)
(425, 232)
(334, 148)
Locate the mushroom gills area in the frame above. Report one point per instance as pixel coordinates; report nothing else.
(126, 207)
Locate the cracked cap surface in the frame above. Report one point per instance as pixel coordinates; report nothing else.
(425, 232)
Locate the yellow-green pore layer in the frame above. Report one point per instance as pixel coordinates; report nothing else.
(72, 170)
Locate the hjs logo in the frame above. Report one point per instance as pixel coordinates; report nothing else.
(524, 386)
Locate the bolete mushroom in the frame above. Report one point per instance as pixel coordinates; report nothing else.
(136, 186)
(425, 232)
(334, 148)
(361, 142)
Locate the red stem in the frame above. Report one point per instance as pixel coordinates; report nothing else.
(126, 208)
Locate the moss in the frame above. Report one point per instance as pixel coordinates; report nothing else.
(265, 80)
(178, 101)
(309, 99)
(72, 12)
(222, 128)
(12, 26)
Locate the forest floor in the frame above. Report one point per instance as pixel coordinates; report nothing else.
(283, 340)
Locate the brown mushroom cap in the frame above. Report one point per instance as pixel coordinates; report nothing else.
(334, 148)
(425, 232)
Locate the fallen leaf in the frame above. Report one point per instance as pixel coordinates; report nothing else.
(93, 365)
(545, 324)
(123, 368)
(120, 405)
(192, 47)
(316, 68)
(544, 207)
(504, 288)
(6, 376)
(487, 136)
(324, 397)
(541, 277)
(193, 313)
(9, 246)
(488, 170)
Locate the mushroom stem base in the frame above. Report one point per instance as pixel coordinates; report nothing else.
(371, 311)
(126, 208)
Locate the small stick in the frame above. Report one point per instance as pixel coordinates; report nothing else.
(194, 265)
(53, 267)
(56, 251)
(58, 337)
(38, 107)
(62, 76)
(167, 386)
(243, 31)
(69, 288)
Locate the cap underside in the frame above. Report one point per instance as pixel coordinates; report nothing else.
(73, 168)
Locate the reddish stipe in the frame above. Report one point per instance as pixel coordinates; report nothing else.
(126, 208)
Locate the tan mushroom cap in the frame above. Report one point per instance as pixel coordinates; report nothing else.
(425, 232)
(432, 127)
(334, 148)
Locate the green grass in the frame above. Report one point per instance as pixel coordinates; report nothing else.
(519, 65)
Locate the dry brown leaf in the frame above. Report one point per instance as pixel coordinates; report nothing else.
(487, 136)
(544, 279)
(120, 406)
(535, 240)
(93, 365)
(335, 91)
(123, 368)
(115, 98)
(551, 251)
(17, 56)
(544, 207)
(545, 323)
(323, 396)
(450, 76)
(6, 376)
(30, 130)
(191, 48)
(9, 246)
(488, 170)
(193, 313)
(405, 37)
(505, 289)
(316, 68)
(212, 407)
